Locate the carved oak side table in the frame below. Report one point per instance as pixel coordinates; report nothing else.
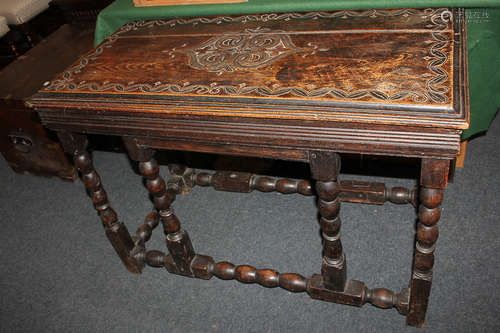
(292, 86)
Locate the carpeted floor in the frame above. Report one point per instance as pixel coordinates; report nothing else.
(60, 274)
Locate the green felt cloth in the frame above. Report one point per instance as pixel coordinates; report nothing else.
(483, 34)
(483, 43)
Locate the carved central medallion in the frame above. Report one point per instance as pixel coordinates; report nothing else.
(239, 51)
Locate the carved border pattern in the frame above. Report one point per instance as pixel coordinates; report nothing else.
(440, 18)
(435, 89)
(373, 13)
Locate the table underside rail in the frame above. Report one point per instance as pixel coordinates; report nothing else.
(331, 285)
(355, 293)
(324, 84)
(183, 179)
(204, 267)
(183, 260)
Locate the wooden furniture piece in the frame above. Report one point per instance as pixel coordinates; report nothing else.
(24, 143)
(460, 162)
(295, 86)
(483, 25)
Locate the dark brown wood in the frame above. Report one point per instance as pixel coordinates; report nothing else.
(27, 74)
(268, 141)
(304, 39)
(434, 173)
(288, 103)
(156, 258)
(181, 250)
(375, 193)
(178, 242)
(350, 190)
(116, 231)
(295, 86)
(136, 151)
(325, 168)
(231, 181)
(28, 147)
(357, 294)
(265, 277)
(24, 143)
(351, 295)
(285, 186)
(202, 267)
(145, 231)
(433, 180)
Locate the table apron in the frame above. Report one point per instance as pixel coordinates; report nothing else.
(268, 140)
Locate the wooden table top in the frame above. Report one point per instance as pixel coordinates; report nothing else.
(402, 67)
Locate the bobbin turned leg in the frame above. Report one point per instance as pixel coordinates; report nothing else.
(433, 179)
(178, 242)
(117, 233)
(325, 167)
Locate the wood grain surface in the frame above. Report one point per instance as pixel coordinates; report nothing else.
(297, 86)
(396, 60)
(351, 81)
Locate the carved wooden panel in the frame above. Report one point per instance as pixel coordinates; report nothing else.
(369, 81)
(393, 62)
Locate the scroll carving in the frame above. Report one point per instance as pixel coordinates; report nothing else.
(236, 51)
(253, 50)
